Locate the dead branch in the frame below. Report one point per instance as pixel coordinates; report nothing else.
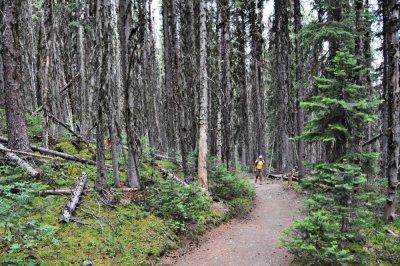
(58, 121)
(282, 176)
(167, 174)
(166, 158)
(73, 200)
(5, 149)
(372, 140)
(392, 234)
(15, 159)
(57, 153)
(85, 191)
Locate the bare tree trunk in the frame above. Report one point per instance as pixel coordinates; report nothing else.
(203, 133)
(394, 107)
(385, 106)
(11, 55)
(101, 177)
(114, 92)
(300, 89)
(226, 84)
(84, 93)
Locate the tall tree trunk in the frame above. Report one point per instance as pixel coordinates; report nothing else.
(282, 85)
(203, 132)
(11, 55)
(227, 99)
(300, 88)
(101, 177)
(385, 83)
(114, 92)
(394, 105)
(84, 93)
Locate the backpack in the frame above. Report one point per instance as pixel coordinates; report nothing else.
(259, 164)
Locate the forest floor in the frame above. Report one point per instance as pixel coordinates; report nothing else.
(251, 240)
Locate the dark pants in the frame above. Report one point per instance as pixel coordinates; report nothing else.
(258, 174)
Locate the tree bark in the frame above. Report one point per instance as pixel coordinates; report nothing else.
(300, 89)
(73, 201)
(11, 55)
(17, 160)
(203, 121)
(394, 107)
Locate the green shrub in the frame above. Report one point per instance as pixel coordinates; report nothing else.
(35, 126)
(340, 208)
(20, 233)
(232, 187)
(182, 204)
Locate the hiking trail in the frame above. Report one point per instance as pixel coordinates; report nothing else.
(252, 240)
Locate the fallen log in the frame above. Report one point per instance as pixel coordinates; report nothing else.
(282, 176)
(85, 191)
(57, 153)
(5, 149)
(166, 158)
(15, 159)
(167, 174)
(73, 200)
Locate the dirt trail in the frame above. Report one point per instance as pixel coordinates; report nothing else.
(253, 240)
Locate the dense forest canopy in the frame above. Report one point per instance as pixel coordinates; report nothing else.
(308, 85)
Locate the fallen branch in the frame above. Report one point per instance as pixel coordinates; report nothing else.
(85, 191)
(5, 149)
(167, 174)
(57, 153)
(282, 176)
(15, 159)
(73, 201)
(58, 121)
(166, 158)
(392, 234)
(372, 140)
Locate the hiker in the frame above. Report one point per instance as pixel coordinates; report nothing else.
(259, 165)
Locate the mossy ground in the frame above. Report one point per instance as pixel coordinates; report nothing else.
(128, 234)
(133, 232)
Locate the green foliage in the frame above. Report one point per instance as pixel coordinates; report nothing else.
(146, 150)
(232, 187)
(183, 204)
(65, 145)
(342, 108)
(323, 237)
(340, 208)
(21, 232)
(35, 126)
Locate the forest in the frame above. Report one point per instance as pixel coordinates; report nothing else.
(130, 127)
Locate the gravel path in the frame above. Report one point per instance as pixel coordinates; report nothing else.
(253, 240)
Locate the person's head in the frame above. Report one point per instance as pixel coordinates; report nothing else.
(260, 157)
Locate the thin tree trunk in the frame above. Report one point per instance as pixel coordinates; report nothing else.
(394, 107)
(203, 132)
(300, 89)
(84, 94)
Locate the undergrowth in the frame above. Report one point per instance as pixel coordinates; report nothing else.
(137, 231)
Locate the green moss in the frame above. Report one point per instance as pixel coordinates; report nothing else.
(88, 151)
(168, 165)
(66, 147)
(128, 235)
